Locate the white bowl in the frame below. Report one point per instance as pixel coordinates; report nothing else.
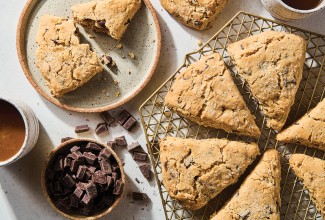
(31, 130)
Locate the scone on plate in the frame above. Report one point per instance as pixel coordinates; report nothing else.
(198, 14)
(206, 94)
(309, 130)
(62, 60)
(312, 173)
(259, 195)
(272, 64)
(109, 16)
(195, 171)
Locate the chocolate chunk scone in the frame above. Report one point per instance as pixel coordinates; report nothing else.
(271, 63)
(206, 94)
(259, 195)
(309, 130)
(109, 16)
(312, 173)
(195, 171)
(196, 14)
(62, 60)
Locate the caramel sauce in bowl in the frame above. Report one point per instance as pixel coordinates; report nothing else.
(19, 130)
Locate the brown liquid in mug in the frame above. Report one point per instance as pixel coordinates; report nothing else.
(12, 130)
(302, 4)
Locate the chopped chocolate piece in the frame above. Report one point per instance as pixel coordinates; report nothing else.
(58, 166)
(78, 192)
(115, 168)
(92, 169)
(130, 123)
(123, 117)
(50, 174)
(121, 141)
(107, 117)
(111, 144)
(118, 187)
(57, 187)
(105, 154)
(90, 157)
(66, 162)
(145, 170)
(66, 139)
(105, 166)
(91, 190)
(139, 156)
(139, 196)
(86, 200)
(134, 146)
(110, 181)
(74, 148)
(81, 128)
(100, 178)
(74, 165)
(68, 180)
(93, 146)
(81, 185)
(81, 172)
(77, 155)
(101, 127)
(74, 201)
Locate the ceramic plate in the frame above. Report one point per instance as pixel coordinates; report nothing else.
(110, 88)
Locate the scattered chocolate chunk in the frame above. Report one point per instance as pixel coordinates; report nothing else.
(134, 146)
(130, 123)
(139, 196)
(123, 117)
(139, 156)
(118, 187)
(99, 177)
(108, 118)
(101, 128)
(145, 170)
(66, 139)
(69, 181)
(90, 158)
(111, 144)
(105, 167)
(86, 200)
(104, 154)
(81, 172)
(93, 146)
(121, 141)
(91, 190)
(81, 128)
(74, 149)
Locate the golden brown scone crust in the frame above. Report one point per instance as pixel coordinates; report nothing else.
(195, 171)
(272, 64)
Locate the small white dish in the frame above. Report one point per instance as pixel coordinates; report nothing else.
(31, 130)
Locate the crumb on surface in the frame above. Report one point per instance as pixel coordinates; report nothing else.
(118, 46)
(131, 54)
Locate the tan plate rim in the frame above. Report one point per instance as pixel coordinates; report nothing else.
(55, 151)
(20, 48)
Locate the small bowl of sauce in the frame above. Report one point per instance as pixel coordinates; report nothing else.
(19, 130)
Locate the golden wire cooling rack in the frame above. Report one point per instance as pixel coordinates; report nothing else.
(159, 122)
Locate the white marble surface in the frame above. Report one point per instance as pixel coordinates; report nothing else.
(21, 181)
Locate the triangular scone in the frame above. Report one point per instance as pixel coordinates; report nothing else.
(259, 195)
(206, 94)
(272, 64)
(308, 130)
(109, 16)
(195, 171)
(312, 173)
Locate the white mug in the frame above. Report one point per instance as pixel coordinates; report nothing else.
(280, 10)
(31, 130)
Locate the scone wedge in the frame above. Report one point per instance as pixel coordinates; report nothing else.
(272, 64)
(308, 130)
(259, 195)
(312, 173)
(109, 16)
(206, 94)
(196, 14)
(195, 171)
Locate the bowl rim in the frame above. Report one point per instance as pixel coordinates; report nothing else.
(318, 8)
(20, 48)
(60, 147)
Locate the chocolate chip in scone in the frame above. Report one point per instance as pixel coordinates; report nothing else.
(101, 23)
(66, 139)
(139, 156)
(197, 23)
(111, 144)
(81, 128)
(130, 123)
(118, 187)
(145, 170)
(108, 118)
(123, 117)
(134, 146)
(101, 128)
(120, 141)
(139, 196)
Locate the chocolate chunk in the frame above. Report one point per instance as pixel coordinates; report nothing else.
(86, 200)
(57, 187)
(145, 170)
(139, 156)
(130, 123)
(92, 169)
(118, 187)
(78, 192)
(123, 117)
(121, 141)
(68, 180)
(90, 157)
(74, 202)
(139, 196)
(134, 146)
(77, 155)
(66, 139)
(105, 166)
(81, 185)
(93, 146)
(105, 154)
(66, 162)
(50, 174)
(99, 177)
(74, 148)
(107, 117)
(81, 172)
(110, 181)
(101, 128)
(74, 165)
(115, 168)
(111, 144)
(81, 128)
(91, 190)
(59, 166)
(101, 23)
(197, 23)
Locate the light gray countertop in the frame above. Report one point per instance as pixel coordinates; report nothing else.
(21, 181)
